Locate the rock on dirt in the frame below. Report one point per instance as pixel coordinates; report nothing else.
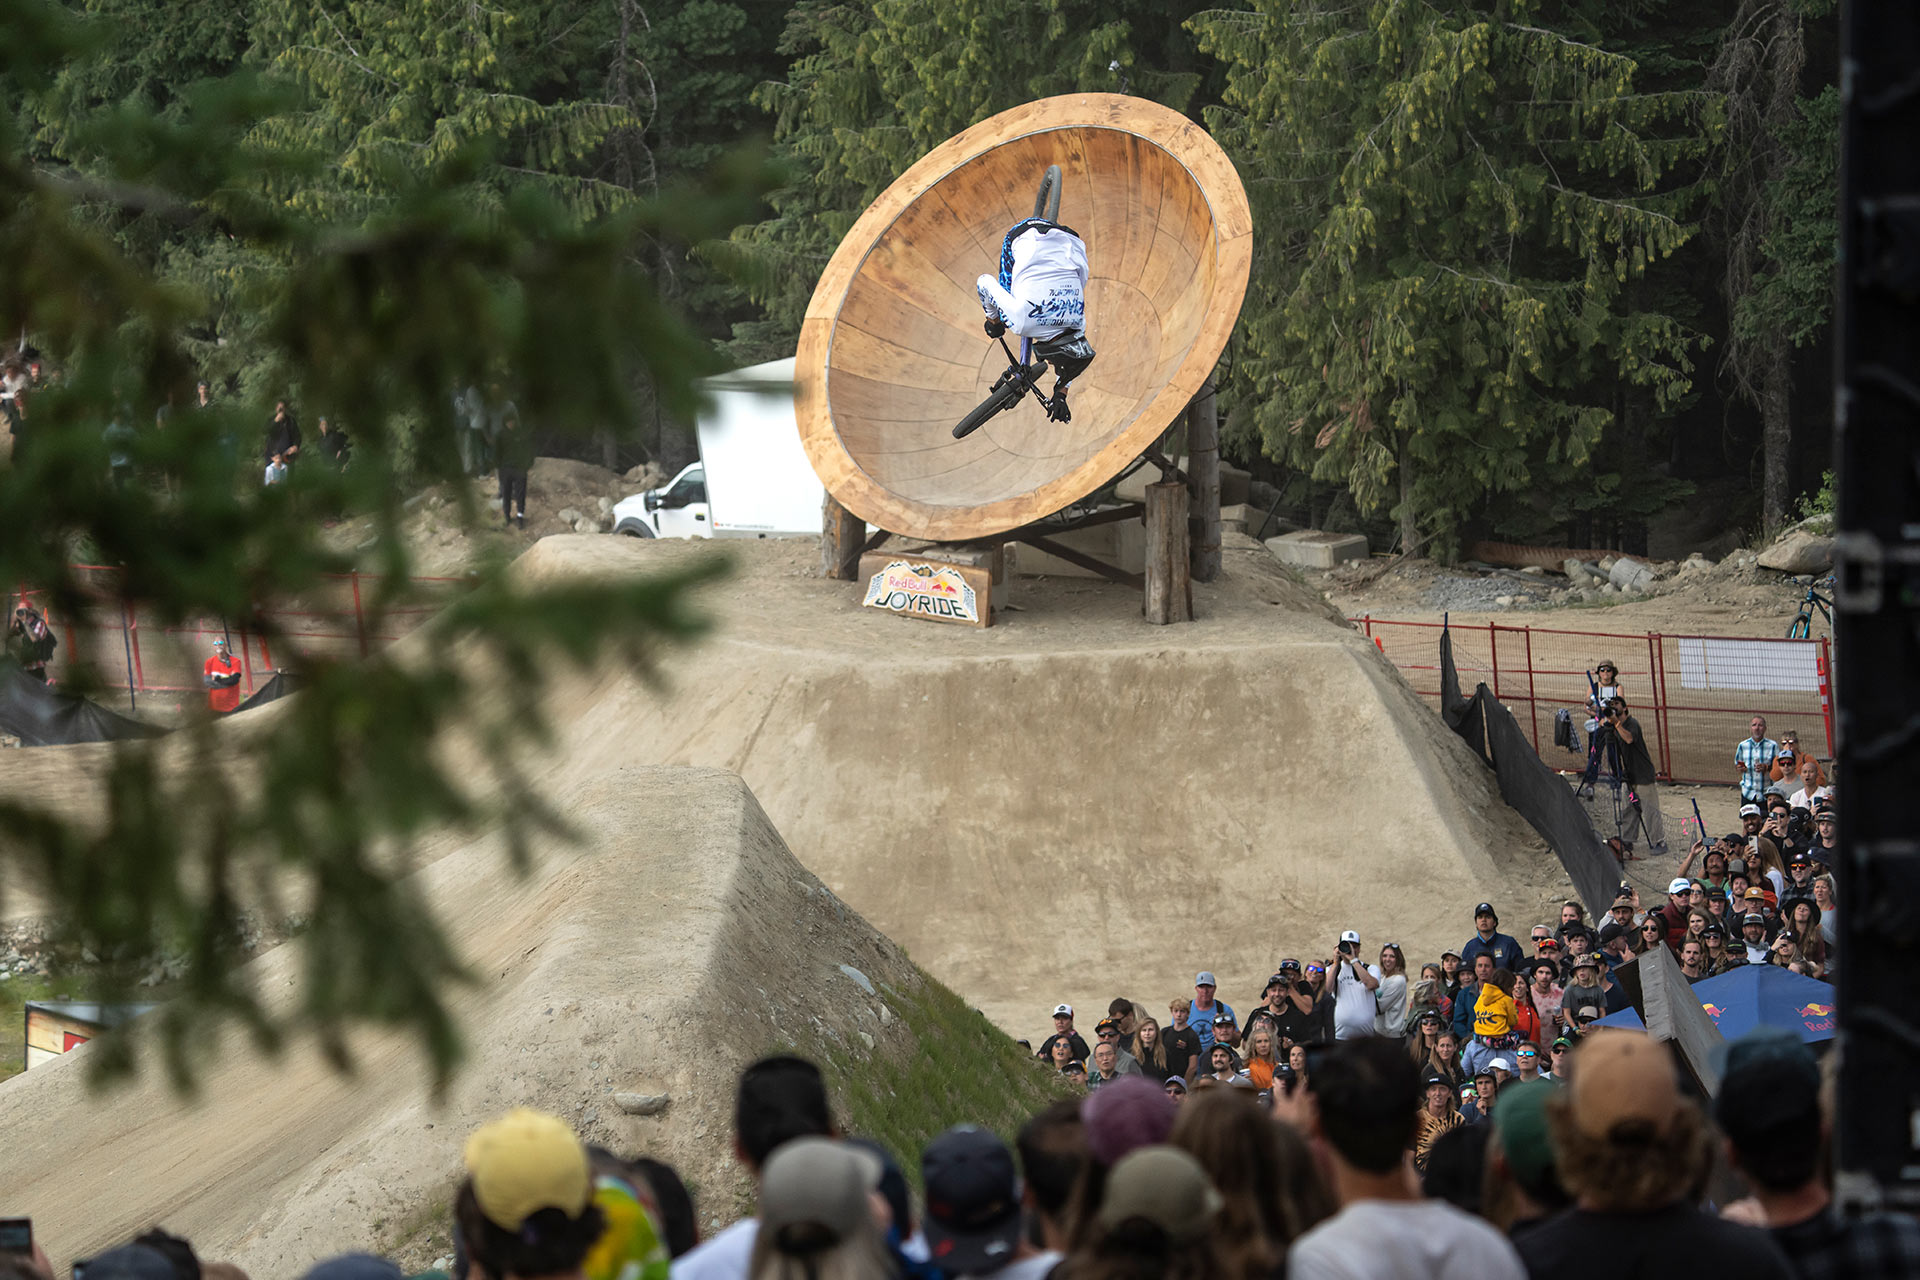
(642, 1104)
(1631, 575)
(1799, 551)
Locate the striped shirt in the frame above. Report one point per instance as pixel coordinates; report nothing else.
(1755, 758)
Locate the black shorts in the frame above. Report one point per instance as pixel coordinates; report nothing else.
(513, 486)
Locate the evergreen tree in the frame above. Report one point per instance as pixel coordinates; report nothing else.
(876, 84)
(1776, 226)
(413, 222)
(1455, 200)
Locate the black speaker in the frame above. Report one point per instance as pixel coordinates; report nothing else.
(1877, 622)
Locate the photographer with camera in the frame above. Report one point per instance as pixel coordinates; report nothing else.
(1296, 1012)
(1637, 763)
(1354, 984)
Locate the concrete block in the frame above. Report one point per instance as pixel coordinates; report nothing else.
(1122, 544)
(1631, 575)
(1318, 549)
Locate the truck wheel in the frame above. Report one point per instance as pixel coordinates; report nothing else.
(634, 529)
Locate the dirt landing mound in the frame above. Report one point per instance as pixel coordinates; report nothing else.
(1077, 804)
(679, 940)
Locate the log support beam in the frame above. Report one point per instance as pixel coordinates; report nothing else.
(1168, 596)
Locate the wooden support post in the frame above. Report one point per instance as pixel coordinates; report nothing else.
(843, 536)
(1169, 585)
(1203, 476)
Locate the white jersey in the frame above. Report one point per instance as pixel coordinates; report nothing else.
(1042, 286)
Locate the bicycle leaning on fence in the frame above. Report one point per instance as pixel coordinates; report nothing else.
(1801, 628)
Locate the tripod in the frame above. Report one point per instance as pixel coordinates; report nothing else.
(1604, 756)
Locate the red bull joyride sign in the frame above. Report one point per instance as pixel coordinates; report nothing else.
(932, 592)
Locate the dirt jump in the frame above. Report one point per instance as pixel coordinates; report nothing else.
(1074, 804)
(679, 941)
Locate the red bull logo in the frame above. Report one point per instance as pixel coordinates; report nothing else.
(1817, 1016)
(925, 590)
(1713, 1011)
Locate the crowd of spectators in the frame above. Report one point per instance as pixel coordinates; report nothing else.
(1600, 1169)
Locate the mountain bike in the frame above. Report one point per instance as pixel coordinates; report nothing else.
(1023, 373)
(1801, 628)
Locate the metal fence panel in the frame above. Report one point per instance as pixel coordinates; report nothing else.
(1693, 695)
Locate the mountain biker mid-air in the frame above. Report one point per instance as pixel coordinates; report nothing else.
(1040, 294)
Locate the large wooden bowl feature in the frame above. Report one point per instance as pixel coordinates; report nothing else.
(892, 354)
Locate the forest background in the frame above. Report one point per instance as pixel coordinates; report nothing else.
(1529, 270)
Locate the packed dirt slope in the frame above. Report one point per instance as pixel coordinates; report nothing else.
(1075, 804)
(676, 942)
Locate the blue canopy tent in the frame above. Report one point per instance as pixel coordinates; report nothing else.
(1758, 995)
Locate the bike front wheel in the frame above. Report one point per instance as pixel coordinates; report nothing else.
(1004, 397)
(1801, 628)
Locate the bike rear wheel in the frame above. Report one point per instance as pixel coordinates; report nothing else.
(1047, 203)
(1004, 397)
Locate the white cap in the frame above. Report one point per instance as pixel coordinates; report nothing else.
(1505, 1064)
(1063, 1011)
(1680, 885)
(1350, 936)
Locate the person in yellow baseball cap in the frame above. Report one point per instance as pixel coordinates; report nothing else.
(526, 1208)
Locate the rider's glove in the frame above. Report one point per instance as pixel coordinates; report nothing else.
(995, 327)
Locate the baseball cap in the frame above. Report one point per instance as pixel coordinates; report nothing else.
(1289, 966)
(1223, 1020)
(1445, 954)
(1167, 1187)
(1801, 859)
(1503, 1063)
(1824, 813)
(1520, 1127)
(1587, 961)
(1063, 1011)
(1177, 1082)
(1587, 1012)
(1679, 884)
(524, 1162)
(1713, 929)
(1547, 944)
(1613, 932)
(129, 1262)
(1624, 1077)
(1128, 1113)
(1484, 1073)
(1272, 982)
(1767, 1077)
(973, 1217)
(818, 1182)
(1430, 1015)
(1204, 979)
(1750, 811)
(1350, 936)
(1485, 909)
(1753, 917)
(1107, 1024)
(1442, 1081)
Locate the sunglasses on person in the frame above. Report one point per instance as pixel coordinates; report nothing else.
(1542, 937)
(1527, 1053)
(1108, 1034)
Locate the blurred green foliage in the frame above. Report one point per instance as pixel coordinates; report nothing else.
(364, 219)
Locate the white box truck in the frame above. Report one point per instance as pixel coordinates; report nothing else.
(753, 479)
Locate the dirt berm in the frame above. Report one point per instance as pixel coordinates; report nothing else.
(677, 942)
(1075, 804)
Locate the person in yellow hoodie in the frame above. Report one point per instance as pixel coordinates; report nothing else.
(1495, 1021)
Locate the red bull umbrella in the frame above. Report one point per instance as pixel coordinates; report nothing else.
(1758, 995)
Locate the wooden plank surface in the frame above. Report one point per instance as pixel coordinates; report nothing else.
(892, 330)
